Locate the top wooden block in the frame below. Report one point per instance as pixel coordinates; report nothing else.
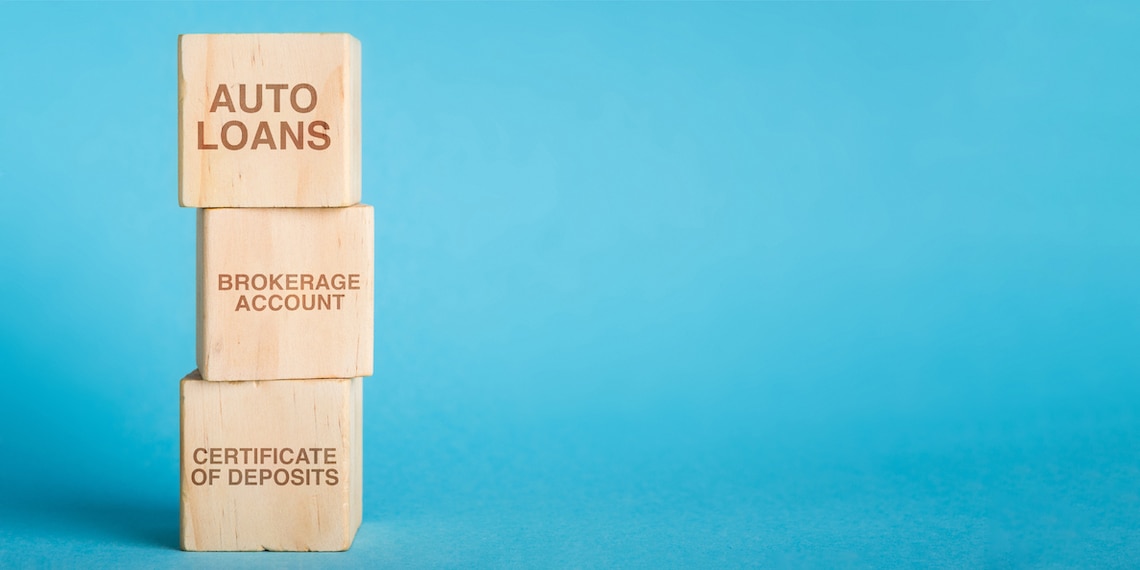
(268, 120)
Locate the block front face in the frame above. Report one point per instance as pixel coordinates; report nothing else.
(272, 465)
(285, 293)
(268, 120)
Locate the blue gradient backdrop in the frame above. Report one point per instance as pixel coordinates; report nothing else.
(659, 284)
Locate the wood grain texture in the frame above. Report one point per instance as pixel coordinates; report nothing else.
(280, 161)
(285, 293)
(250, 456)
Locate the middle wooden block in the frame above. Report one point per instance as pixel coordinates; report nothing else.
(285, 293)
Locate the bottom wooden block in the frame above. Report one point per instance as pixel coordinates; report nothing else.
(271, 465)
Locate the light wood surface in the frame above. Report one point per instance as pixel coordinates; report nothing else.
(295, 152)
(273, 465)
(285, 293)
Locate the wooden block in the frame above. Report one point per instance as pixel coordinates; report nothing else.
(268, 120)
(285, 293)
(273, 465)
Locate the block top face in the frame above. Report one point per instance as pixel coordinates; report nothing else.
(268, 120)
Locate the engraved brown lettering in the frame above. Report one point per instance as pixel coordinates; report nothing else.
(312, 97)
(222, 99)
(229, 127)
(202, 144)
(241, 99)
(263, 137)
(319, 130)
(276, 89)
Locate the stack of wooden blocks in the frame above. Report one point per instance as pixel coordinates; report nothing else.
(269, 151)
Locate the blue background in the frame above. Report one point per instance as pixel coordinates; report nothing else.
(659, 284)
